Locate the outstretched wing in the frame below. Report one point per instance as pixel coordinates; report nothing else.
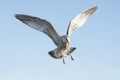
(79, 20)
(40, 25)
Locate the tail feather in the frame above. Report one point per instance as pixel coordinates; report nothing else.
(51, 53)
(58, 56)
(54, 55)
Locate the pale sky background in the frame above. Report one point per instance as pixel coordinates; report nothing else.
(24, 51)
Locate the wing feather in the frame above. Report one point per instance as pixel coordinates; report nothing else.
(79, 20)
(40, 25)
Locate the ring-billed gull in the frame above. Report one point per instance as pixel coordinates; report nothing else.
(62, 42)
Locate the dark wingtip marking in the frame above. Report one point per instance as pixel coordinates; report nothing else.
(18, 16)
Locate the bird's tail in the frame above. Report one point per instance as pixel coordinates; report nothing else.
(53, 54)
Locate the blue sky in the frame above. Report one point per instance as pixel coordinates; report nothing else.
(24, 51)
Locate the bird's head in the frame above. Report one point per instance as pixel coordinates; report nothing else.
(64, 39)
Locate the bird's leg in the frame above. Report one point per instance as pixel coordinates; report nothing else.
(63, 61)
(72, 57)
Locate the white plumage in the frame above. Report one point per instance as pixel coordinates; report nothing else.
(62, 42)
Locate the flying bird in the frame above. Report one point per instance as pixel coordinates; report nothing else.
(62, 42)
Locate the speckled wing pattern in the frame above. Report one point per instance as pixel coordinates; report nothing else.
(40, 25)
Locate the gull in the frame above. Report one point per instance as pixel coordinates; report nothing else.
(62, 42)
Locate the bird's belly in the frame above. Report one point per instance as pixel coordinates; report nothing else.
(63, 51)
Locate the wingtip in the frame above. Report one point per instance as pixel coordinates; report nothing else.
(96, 7)
(16, 15)
(20, 16)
